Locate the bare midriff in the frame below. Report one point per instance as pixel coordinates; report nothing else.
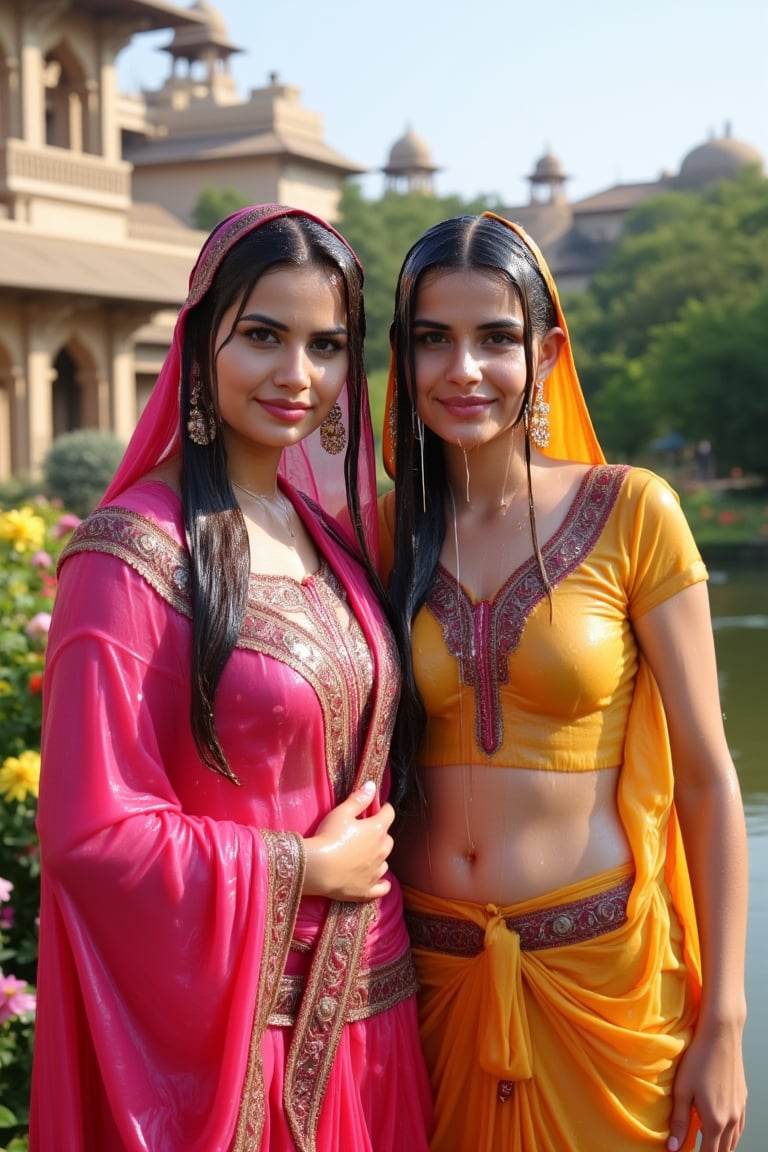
(506, 835)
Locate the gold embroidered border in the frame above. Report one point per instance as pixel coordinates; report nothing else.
(143, 545)
(286, 861)
(334, 970)
(484, 659)
(375, 990)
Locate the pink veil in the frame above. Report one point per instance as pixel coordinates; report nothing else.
(305, 466)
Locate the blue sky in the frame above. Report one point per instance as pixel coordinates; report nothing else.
(619, 90)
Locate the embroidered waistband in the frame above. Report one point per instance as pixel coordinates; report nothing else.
(545, 928)
(375, 990)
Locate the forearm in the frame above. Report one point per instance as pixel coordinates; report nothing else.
(714, 834)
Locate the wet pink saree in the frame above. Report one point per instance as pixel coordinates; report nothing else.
(188, 998)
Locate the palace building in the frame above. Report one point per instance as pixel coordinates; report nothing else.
(98, 191)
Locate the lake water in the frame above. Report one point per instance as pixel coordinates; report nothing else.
(739, 599)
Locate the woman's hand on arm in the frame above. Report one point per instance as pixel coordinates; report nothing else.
(676, 639)
(346, 859)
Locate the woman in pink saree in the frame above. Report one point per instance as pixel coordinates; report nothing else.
(223, 960)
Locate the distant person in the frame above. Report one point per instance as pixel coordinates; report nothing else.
(224, 964)
(705, 460)
(573, 843)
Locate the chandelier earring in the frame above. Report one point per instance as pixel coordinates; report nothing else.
(201, 426)
(333, 434)
(537, 424)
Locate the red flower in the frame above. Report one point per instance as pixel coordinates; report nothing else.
(36, 683)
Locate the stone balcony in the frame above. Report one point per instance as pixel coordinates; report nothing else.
(27, 172)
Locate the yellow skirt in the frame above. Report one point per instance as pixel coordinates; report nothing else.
(555, 1024)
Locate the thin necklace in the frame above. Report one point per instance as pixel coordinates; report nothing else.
(277, 504)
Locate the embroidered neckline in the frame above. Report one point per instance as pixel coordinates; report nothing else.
(482, 634)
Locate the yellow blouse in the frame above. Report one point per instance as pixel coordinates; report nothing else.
(507, 683)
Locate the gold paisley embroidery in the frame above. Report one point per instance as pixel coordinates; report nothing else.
(285, 853)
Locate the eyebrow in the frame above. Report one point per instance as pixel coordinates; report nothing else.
(269, 322)
(490, 325)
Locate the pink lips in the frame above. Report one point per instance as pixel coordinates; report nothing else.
(284, 410)
(465, 405)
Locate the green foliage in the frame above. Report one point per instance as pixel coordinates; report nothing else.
(79, 466)
(18, 490)
(381, 232)
(721, 513)
(31, 539)
(707, 365)
(623, 410)
(682, 301)
(213, 204)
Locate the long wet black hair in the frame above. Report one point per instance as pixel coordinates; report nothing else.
(216, 532)
(462, 243)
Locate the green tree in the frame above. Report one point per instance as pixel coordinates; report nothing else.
(381, 232)
(680, 250)
(707, 370)
(213, 204)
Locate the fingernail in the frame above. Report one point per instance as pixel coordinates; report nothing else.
(368, 788)
(673, 1144)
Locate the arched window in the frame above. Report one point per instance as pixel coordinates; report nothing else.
(66, 107)
(66, 398)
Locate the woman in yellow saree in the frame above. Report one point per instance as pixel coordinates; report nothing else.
(573, 848)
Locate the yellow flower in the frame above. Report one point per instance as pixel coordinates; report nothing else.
(20, 775)
(23, 529)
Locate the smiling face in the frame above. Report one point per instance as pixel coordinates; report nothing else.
(282, 368)
(469, 356)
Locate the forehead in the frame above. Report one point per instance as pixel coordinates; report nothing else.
(467, 289)
(308, 290)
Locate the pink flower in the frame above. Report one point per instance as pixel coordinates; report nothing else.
(41, 560)
(6, 887)
(14, 999)
(64, 525)
(38, 626)
(7, 917)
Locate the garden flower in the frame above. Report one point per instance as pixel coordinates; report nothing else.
(23, 529)
(14, 997)
(38, 626)
(65, 524)
(20, 775)
(41, 559)
(35, 683)
(6, 887)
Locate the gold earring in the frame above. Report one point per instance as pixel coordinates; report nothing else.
(538, 426)
(200, 426)
(333, 434)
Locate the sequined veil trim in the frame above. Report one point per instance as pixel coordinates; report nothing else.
(482, 635)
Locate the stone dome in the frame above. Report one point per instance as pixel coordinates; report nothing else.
(721, 158)
(548, 169)
(408, 153)
(213, 33)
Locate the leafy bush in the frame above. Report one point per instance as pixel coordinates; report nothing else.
(31, 539)
(79, 466)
